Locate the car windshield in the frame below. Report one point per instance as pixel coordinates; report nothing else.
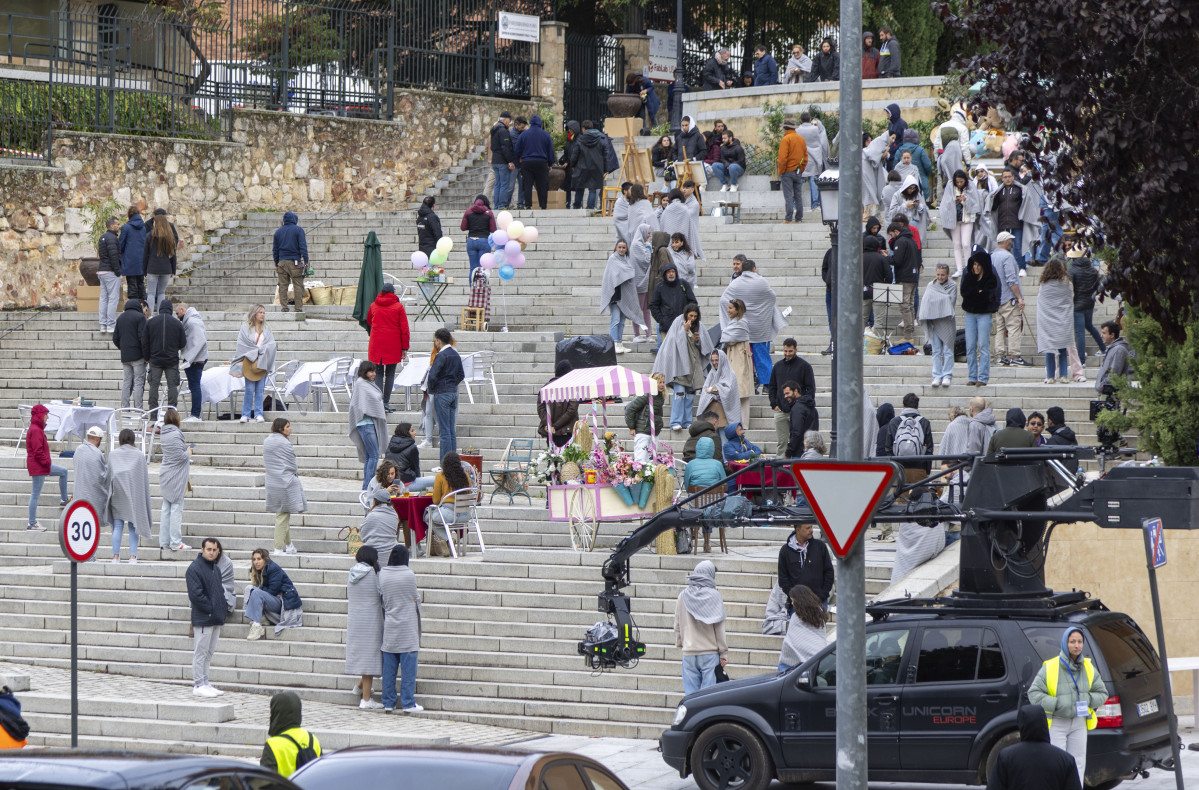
(455, 772)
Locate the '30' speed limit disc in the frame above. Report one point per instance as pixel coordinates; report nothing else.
(79, 534)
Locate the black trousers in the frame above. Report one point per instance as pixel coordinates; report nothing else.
(386, 380)
(135, 285)
(536, 173)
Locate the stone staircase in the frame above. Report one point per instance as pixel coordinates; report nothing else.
(499, 629)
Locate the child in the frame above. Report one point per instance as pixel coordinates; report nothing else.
(480, 292)
(636, 417)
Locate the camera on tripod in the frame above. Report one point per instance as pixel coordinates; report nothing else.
(1107, 437)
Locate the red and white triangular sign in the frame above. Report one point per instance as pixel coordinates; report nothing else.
(843, 497)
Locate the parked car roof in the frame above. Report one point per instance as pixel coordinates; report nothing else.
(111, 770)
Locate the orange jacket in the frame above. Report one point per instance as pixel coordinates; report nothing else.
(7, 741)
(793, 152)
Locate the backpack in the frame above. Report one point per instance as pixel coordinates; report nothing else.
(909, 437)
(306, 754)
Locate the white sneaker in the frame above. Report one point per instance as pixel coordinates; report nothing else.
(116, 559)
(369, 704)
(181, 547)
(244, 420)
(423, 445)
(256, 632)
(192, 419)
(217, 691)
(205, 691)
(258, 418)
(133, 560)
(290, 549)
(936, 383)
(621, 348)
(1022, 272)
(956, 275)
(733, 188)
(724, 188)
(414, 709)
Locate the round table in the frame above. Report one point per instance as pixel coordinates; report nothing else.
(411, 510)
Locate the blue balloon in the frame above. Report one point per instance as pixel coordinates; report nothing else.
(507, 272)
(490, 239)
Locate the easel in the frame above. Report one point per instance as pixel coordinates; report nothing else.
(685, 170)
(636, 166)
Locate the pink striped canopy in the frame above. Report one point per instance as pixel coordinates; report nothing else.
(612, 381)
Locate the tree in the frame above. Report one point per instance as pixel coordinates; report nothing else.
(915, 26)
(1111, 90)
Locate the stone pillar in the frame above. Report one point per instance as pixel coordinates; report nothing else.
(549, 77)
(636, 53)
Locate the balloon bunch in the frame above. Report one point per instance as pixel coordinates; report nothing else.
(507, 245)
(437, 259)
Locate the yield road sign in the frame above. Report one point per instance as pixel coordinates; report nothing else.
(843, 497)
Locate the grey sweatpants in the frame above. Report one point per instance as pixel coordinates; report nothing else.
(134, 386)
(203, 646)
(1071, 735)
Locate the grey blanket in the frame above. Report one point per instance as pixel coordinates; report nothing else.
(620, 219)
(93, 480)
(263, 355)
(401, 609)
(914, 546)
(761, 307)
(641, 253)
(701, 598)
(620, 281)
(378, 529)
(673, 358)
(874, 172)
(775, 622)
(724, 379)
(284, 493)
(176, 465)
(366, 400)
(685, 263)
(936, 312)
(131, 489)
(694, 209)
(1055, 316)
(676, 218)
(947, 210)
(917, 214)
(950, 161)
(734, 331)
(640, 213)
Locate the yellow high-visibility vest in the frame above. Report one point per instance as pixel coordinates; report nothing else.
(1051, 673)
(286, 752)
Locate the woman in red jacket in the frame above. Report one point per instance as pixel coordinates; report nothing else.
(37, 461)
(389, 337)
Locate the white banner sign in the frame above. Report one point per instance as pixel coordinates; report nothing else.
(519, 27)
(663, 55)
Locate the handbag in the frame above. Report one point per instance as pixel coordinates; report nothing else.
(251, 371)
(352, 538)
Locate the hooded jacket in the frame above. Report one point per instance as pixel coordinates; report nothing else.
(905, 258)
(129, 334)
(1115, 363)
(389, 329)
(165, 337)
(716, 72)
(501, 145)
(919, 158)
(886, 438)
(732, 153)
(699, 430)
(535, 143)
(1034, 763)
(587, 161)
(1071, 685)
(478, 221)
(888, 58)
(195, 348)
(869, 58)
(279, 753)
(205, 593)
(690, 142)
(428, 229)
(896, 125)
(737, 448)
(109, 250)
(277, 584)
(132, 243)
(561, 416)
(1012, 434)
(636, 414)
(979, 432)
(670, 298)
(980, 293)
(874, 266)
(812, 567)
(802, 417)
(1060, 435)
(766, 70)
(402, 451)
(1085, 278)
(703, 470)
(37, 449)
(290, 243)
(826, 65)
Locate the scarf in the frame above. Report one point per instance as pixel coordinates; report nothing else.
(620, 282)
(701, 599)
(761, 306)
(131, 489)
(724, 379)
(673, 360)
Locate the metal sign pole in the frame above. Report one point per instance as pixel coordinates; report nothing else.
(1175, 745)
(79, 537)
(847, 419)
(74, 655)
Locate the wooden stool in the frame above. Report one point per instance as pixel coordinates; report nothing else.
(608, 200)
(474, 319)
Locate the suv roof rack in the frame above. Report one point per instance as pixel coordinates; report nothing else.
(1050, 607)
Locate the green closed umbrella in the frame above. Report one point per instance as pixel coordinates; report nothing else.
(370, 279)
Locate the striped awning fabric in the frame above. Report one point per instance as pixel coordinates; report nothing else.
(612, 381)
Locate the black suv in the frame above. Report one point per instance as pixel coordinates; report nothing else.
(943, 687)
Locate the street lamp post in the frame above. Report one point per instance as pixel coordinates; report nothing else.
(828, 184)
(676, 106)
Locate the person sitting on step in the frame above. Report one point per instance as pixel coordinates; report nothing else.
(270, 594)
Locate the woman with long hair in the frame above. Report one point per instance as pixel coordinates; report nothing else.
(805, 630)
(684, 258)
(479, 224)
(172, 482)
(284, 492)
(256, 353)
(158, 257)
(452, 477)
(130, 503)
(735, 339)
(405, 453)
(1055, 320)
(618, 295)
(680, 360)
(368, 420)
(270, 591)
(959, 207)
(662, 156)
(364, 624)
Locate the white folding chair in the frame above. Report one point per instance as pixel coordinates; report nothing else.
(333, 378)
(405, 293)
(277, 383)
(481, 371)
(135, 420)
(151, 423)
(466, 515)
(26, 413)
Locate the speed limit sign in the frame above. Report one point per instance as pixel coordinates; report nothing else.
(79, 535)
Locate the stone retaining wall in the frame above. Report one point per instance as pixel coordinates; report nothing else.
(276, 161)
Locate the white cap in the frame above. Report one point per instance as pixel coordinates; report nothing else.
(1003, 236)
(96, 431)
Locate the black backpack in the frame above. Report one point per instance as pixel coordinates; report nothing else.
(306, 754)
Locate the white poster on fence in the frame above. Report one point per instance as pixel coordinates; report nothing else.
(663, 55)
(519, 27)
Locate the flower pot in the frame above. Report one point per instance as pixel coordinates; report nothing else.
(557, 177)
(625, 494)
(88, 268)
(646, 490)
(624, 105)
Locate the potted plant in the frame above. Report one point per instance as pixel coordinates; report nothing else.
(771, 133)
(97, 213)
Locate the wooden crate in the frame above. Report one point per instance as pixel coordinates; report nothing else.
(87, 299)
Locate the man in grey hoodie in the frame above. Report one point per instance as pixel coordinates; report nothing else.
(194, 355)
(982, 426)
(1115, 359)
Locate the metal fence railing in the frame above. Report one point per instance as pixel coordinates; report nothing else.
(593, 72)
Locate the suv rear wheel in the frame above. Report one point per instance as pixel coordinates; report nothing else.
(993, 755)
(730, 757)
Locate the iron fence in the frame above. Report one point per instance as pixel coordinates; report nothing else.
(594, 66)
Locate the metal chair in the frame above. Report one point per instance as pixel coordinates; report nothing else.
(26, 412)
(330, 381)
(710, 498)
(133, 419)
(512, 477)
(405, 292)
(482, 371)
(466, 515)
(277, 383)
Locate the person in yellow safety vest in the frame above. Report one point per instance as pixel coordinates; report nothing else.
(1070, 691)
(288, 746)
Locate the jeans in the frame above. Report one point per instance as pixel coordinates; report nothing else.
(421, 484)
(952, 537)
(427, 419)
(814, 190)
(474, 249)
(699, 672)
(792, 197)
(615, 323)
(1017, 243)
(170, 524)
(978, 343)
(110, 291)
(118, 527)
(156, 290)
(503, 186)
(727, 173)
(195, 375)
(385, 380)
(370, 443)
(592, 198)
(1063, 363)
(445, 405)
(38, 481)
(259, 601)
(534, 174)
(406, 664)
(1082, 324)
(134, 386)
(681, 406)
(252, 397)
(155, 375)
(828, 311)
(204, 639)
(1051, 232)
(942, 357)
(762, 366)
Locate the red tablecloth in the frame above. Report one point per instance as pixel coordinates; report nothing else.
(786, 478)
(412, 510)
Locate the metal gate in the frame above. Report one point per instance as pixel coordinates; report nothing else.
(594, 70)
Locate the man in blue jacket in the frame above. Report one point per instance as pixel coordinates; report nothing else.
(206, 595)
(650, 104)
(534, 150)
(445, 374)
(766, 70)
(291, 259)
(132, 241)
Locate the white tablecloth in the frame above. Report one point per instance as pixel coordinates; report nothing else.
(77, 419)
(297, 385)
(216, 384)
(412, 374)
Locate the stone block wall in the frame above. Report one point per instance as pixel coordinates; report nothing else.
(276, 161)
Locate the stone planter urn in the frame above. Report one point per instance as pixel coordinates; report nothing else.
(624, 105)
(557, 177)
(88, 268)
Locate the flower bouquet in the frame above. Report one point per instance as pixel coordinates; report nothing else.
(431, 274)
(627, 477)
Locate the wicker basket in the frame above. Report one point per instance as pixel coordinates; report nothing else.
(321, 295)
(346, 296)
(571, 471)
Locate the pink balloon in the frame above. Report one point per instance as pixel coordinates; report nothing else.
(499, 238)
(530, 234)
(512, 247)
(487, 260)
(516, 260)
(502, 219)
